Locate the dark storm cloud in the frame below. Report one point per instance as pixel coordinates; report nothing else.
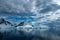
(24, 7)
(15, 7)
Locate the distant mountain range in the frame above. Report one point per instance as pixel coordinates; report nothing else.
(3, 21)
(9, 29)
(6, 25)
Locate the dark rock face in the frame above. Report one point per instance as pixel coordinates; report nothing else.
(20, 24)
(3, 21)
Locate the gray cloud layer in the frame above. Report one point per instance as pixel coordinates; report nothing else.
(26, 7)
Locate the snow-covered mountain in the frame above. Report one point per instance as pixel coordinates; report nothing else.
(26, 26)
(3, 21)
(31, 27)
(5, 25)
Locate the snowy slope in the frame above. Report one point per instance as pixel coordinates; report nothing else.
(5, 25)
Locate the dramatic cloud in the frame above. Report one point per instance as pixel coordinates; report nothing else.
(56, 2)
(18, 7)
(37, 9)
(26, 7)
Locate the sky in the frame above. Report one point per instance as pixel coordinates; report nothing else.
(39, 10)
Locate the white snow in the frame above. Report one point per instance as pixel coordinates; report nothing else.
(27, 28)
(4, 28)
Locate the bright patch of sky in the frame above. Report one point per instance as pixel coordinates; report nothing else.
(56, 2)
